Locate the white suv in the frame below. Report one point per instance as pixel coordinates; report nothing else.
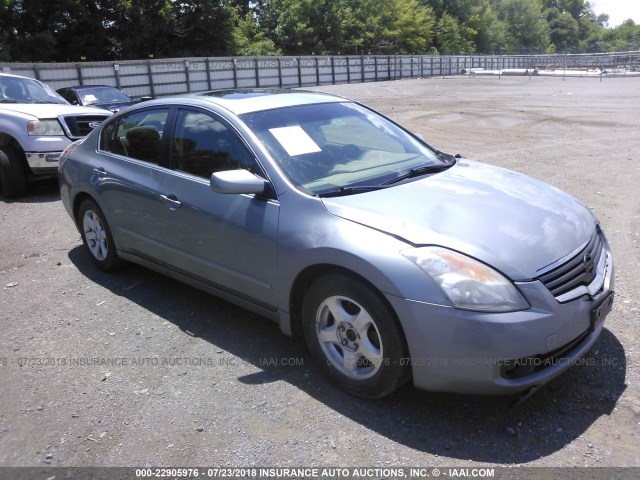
(36, 125)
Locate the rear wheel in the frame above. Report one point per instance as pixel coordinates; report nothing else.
(13, 179)
(96, 236)
(354, 336)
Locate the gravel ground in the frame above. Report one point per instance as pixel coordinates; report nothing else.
(134, 369)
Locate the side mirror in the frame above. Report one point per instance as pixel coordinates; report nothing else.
(420, 136)
(237, 181)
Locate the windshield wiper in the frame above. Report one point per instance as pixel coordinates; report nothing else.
(7, 100)
(418, 171)
(351, 190)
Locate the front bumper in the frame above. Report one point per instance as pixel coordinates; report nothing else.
(470, 352)
(43, 162)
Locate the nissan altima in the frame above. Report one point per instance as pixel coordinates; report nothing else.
(395, 261)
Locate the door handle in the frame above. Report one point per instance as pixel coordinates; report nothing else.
(171, 201)
(101, 172)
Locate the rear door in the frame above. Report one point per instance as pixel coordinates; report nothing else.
(130, 166)
(225, 240)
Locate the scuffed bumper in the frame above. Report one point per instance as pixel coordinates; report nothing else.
(470, 352)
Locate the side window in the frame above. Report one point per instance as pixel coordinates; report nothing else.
(137, 135)
(69, 96)
(203, 145)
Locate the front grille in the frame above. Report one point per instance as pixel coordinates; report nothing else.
(580, 269)
(79, 126)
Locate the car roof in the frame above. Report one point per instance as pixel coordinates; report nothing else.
(86, 87)
(241, 101)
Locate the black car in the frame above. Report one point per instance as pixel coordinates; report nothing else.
(101, 96)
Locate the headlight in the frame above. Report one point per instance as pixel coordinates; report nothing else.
(45, 127)
(467, 283)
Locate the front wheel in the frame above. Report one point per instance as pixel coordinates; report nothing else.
(96, 236)
(13, 180)
(354, 336)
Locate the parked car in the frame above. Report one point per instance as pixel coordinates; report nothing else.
(99, 96)
(393, 259)
(36, 124)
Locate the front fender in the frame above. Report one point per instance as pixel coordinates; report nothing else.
(332, 242)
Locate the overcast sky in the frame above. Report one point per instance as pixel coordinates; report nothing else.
(618, 10)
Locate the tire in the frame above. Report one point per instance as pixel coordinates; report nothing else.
(97, 238)
(354, 336)
(13, 179)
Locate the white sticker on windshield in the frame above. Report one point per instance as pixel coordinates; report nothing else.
(89, 97)
(295, 140)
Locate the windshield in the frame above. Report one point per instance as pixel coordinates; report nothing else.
(25, 90)
(102, 95)
(327, 147)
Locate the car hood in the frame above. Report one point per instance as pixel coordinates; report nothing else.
(511, 221)
(50, 110)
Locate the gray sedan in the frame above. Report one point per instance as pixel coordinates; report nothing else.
(395, 261)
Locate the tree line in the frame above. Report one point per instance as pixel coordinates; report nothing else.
(78, 30)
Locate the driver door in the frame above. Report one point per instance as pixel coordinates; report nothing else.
(228, 241)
